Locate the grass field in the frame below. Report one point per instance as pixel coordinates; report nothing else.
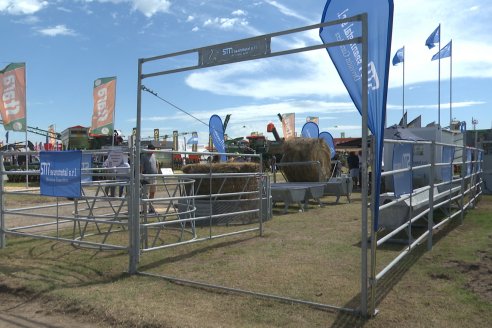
(313, 255)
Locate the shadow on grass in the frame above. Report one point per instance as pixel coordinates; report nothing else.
(192, 253)
(392, 277)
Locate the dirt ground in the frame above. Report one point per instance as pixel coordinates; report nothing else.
(23, 311)
(479, 275)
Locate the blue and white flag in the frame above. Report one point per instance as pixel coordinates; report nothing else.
(193, 141)
(348, 61)
(328, 138)
(434, 38)
(399, 56)
(310, 130)
(444, 52)
(216, 130)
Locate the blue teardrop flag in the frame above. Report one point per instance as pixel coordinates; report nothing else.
(216, 130)
(348, 62)
(310, 130)
(328, 138)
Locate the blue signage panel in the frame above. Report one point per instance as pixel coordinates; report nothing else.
(60, 173)
(402, 159)
(447, 157)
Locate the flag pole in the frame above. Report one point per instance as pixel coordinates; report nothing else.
(27, 147)
(114, 115)
(451, 86)
(439, 82)
(403, 94)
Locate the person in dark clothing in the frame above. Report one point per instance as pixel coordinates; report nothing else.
(353, 165)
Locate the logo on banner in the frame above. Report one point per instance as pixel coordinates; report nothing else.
(232, 52)
(60, 173)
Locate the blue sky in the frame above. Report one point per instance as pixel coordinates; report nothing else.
(66, 45)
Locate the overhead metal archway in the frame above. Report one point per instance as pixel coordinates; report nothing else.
(239, 51)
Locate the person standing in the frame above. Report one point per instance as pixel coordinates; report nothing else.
(124, 171)
(353, 164)
(148, 165)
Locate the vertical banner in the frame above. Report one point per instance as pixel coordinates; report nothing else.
(314, 119)
(348, 61)
(52, 136)
(288, 125)
(216, 130)
(60, 173)
(328, 138)
(402, 159)
(447, 157)
(310, 130)
(13, 92)
(156, 134)
(104, 103)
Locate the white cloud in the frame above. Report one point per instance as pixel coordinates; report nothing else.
(312, 73)
(238, 12)
(64, 9)
(195, 29)
(287, 11)
(461, 104)
(242, 118)
(57, 30)
(307, 74)
(190, 18)
(22, 7)
(225, 23)
(151, 7)
(147, 7)
(29, 20)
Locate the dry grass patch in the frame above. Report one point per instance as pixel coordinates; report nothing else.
(313, 255)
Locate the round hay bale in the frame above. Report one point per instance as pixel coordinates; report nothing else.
(223, 185)
(227, 204)
(306, 150)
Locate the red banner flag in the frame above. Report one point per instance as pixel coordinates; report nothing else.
(13, 91)
(288, 125)
(104, 104)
